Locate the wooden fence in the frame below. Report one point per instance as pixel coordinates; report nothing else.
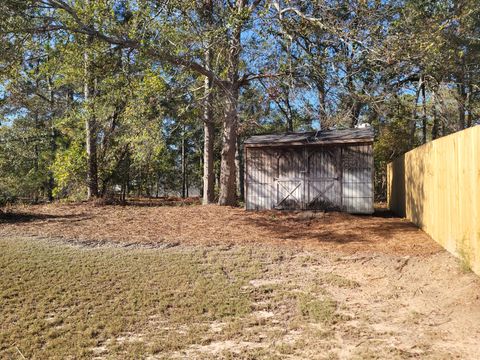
(437, 187)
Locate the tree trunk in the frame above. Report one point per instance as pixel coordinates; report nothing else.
(126, 178)
(228, 187)
(462, 97)
(208, 144)
(90, 125)
(355, 115)
(289, 112)
(240, 171)
(208, 164)
(322, 114)
(435, 128)
(424, 115)
(53, 140)
(184, 166)
(187, 185)
(413, 126)
(468, 102)
(36, 160)
(354, 106)
(462, 93)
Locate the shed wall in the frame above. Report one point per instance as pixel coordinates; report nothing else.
(330, 177)
(357, 180)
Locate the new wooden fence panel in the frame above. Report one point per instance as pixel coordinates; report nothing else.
(437, 186)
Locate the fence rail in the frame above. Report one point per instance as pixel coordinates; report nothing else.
(437, 187)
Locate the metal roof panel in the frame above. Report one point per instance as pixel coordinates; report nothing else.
(313, 137)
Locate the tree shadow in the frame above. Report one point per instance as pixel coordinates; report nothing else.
(383, 213)
(334, 227)
(297, 226)
(23, 217)
(162, 201)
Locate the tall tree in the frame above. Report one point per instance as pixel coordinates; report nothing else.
(208, 121)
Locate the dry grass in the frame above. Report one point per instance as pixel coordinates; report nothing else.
(239, 302)
(59, 301)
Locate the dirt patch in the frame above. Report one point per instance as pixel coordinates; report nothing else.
(152, 225)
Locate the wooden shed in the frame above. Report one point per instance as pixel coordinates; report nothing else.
(323, 170)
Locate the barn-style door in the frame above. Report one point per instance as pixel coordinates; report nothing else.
(290, 180)
(308, 179)
(323, 179)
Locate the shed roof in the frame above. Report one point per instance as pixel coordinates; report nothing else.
(364, 135)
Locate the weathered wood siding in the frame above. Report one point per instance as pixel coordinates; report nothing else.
(330, 177)
(357, 179)
(260, 167)
(289, 179)
(437, 186)
(323, 180)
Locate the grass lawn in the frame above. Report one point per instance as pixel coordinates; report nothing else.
(60, 301)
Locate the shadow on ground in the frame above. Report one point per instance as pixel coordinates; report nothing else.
(332, 227)
(25, 217)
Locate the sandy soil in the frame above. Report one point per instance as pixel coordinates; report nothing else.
(397, 293)
(387, 307)
(402, 306)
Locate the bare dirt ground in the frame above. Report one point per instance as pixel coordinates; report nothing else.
(324, 285)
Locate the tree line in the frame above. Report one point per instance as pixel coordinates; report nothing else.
(118, 98)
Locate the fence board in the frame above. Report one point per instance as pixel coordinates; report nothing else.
(437, 186)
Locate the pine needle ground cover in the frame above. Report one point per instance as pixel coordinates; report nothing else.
(147, 223)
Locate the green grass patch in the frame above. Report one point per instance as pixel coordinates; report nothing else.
(465, 258)
(318, 309)
(339, 281)
(58, 301)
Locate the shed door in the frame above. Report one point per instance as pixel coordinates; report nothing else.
(289, 182)
(323, 180)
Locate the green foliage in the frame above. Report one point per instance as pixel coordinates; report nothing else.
(393, 139)
(408, 68)
(69, 169)
(24, 163)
